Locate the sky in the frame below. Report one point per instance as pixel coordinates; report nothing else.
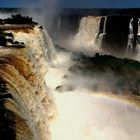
(72, 3)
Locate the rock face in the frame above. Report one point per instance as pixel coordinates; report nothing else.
(26, 101)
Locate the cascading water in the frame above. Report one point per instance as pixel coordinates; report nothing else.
(42, 43)
(118, 35)
(86, 36)
(26, 99)
(90, 103)
(88, 30)
(51, 54)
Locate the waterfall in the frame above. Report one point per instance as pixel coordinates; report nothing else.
(88, 29)
(88, 106)
(41, 45)
(133, 38)
(48, 48)
(80, 99)
(85, 40)
(27, 100)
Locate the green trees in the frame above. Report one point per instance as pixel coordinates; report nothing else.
(19, 19)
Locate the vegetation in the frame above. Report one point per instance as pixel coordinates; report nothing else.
(110, 73)
(18, 19)
(105, 63)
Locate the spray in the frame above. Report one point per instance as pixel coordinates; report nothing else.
(87, 107)
(86, 114)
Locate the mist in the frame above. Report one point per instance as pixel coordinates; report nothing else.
(90, 104)
(86, 107)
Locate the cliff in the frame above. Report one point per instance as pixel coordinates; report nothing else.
(26, 100)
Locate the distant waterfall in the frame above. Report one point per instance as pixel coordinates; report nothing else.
(88, 30)
(133, 37)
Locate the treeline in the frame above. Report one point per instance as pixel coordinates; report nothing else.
(18, 19)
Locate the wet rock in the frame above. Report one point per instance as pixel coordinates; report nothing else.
(65, 88)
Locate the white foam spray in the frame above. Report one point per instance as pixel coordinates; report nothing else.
(87, 115)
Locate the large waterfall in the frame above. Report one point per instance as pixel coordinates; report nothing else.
(86, 96)
(93, 103)
(28, 102)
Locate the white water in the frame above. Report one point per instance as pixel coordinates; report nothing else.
(41, 45)
(48, 45)
(97, 117)
(83, 115)
(88, 30)
(86, 115)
